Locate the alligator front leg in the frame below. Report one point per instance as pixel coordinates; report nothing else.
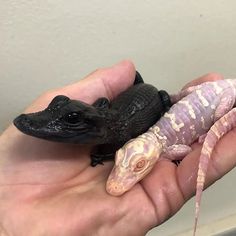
(104, 152)
(100, 158)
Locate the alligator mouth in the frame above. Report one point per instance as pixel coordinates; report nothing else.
(25, 124)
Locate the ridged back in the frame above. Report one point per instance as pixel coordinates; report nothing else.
(140, 107)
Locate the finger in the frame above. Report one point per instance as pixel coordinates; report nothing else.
(108, 82)
(172, 186)
(162, 188)
(204, 78)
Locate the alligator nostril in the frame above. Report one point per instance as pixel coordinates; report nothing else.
(24, 117)
(114, 188)
(22, 120)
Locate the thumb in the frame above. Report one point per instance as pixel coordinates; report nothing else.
(106, 82)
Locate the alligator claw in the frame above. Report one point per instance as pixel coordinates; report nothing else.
(176, 162)
(96, 162)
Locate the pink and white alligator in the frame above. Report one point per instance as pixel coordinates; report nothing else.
(204, 112)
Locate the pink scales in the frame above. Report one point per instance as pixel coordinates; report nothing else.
(204, 112)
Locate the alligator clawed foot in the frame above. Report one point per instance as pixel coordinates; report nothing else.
(177, 162)
(96, 161)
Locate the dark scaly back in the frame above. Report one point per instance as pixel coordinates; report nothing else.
(140, 107)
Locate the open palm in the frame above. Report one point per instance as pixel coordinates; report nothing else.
(50, 188)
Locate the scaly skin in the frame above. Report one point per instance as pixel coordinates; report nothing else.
(199, 108)
(106, 124)
(217, 131)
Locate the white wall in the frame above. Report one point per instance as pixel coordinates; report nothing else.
(46, 44)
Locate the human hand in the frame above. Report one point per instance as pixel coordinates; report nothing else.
(48, 188)
(121, 179)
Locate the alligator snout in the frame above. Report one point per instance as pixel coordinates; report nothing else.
(27, 123)
(22, 121)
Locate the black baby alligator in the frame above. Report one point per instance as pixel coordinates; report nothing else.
(108, 125)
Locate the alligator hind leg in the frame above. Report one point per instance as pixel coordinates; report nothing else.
(138, 78)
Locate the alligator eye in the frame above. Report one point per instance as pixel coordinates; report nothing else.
(72, 117)
(140, 165)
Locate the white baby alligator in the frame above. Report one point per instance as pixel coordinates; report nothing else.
(204, 112)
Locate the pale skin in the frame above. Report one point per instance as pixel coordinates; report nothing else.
(50, 189)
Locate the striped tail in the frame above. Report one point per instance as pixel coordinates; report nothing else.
(218, 130)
